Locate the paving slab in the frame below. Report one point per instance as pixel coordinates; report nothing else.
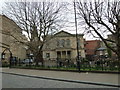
(88, 77)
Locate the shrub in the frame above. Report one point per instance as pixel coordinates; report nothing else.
(5, 63)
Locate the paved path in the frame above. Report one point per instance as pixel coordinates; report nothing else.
(15, 81)
(89, 77)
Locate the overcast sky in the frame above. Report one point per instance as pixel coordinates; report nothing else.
(70, 15)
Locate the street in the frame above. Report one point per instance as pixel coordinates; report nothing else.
(14, 81)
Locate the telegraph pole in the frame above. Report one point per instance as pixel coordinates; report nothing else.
(78, 60)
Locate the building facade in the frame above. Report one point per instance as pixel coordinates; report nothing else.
(113, 45)
(62, 46)
(91, 47)
(11, 33)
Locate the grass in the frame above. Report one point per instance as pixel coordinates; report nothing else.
(83, 67)
(69, 68)
(40, 67)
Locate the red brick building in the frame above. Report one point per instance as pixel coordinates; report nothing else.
(91, 47)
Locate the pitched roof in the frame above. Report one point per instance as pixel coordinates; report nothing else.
(64, 33)
(101, 49)
(9, 19)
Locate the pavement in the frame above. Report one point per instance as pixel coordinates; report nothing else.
(88, 78)
(16, 82)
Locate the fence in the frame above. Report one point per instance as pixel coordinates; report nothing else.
(70, 64)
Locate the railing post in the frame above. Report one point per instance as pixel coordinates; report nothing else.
(10, 60)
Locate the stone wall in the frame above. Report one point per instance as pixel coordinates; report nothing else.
(11, 33)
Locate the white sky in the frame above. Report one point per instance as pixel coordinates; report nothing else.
(71, 26)
(1, 3)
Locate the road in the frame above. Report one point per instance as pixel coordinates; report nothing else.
(15, 81)
(87, 77)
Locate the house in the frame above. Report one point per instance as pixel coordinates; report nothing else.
(10, 33)
(62, 46)
(103, 50)
(112, 54)
(91, 47)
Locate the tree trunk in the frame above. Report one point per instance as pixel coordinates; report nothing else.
(39, 58)
(118, 56)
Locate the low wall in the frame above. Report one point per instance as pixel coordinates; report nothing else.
(50, 63)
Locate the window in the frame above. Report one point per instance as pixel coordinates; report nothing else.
(68, 42)
(47, 55)
(58, 43)
(62, 43)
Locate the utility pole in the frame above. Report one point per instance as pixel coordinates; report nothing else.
(78, 60)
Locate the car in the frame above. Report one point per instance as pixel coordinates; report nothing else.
(28, 61)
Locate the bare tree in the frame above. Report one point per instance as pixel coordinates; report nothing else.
(37, 20)
(102, 18)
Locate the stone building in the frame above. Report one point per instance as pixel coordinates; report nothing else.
(10, 34)
(62, 46)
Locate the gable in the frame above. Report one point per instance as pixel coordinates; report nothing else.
(63, 34)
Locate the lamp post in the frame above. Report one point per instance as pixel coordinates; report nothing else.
(78, 59)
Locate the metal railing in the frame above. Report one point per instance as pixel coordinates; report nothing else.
(70, 64)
